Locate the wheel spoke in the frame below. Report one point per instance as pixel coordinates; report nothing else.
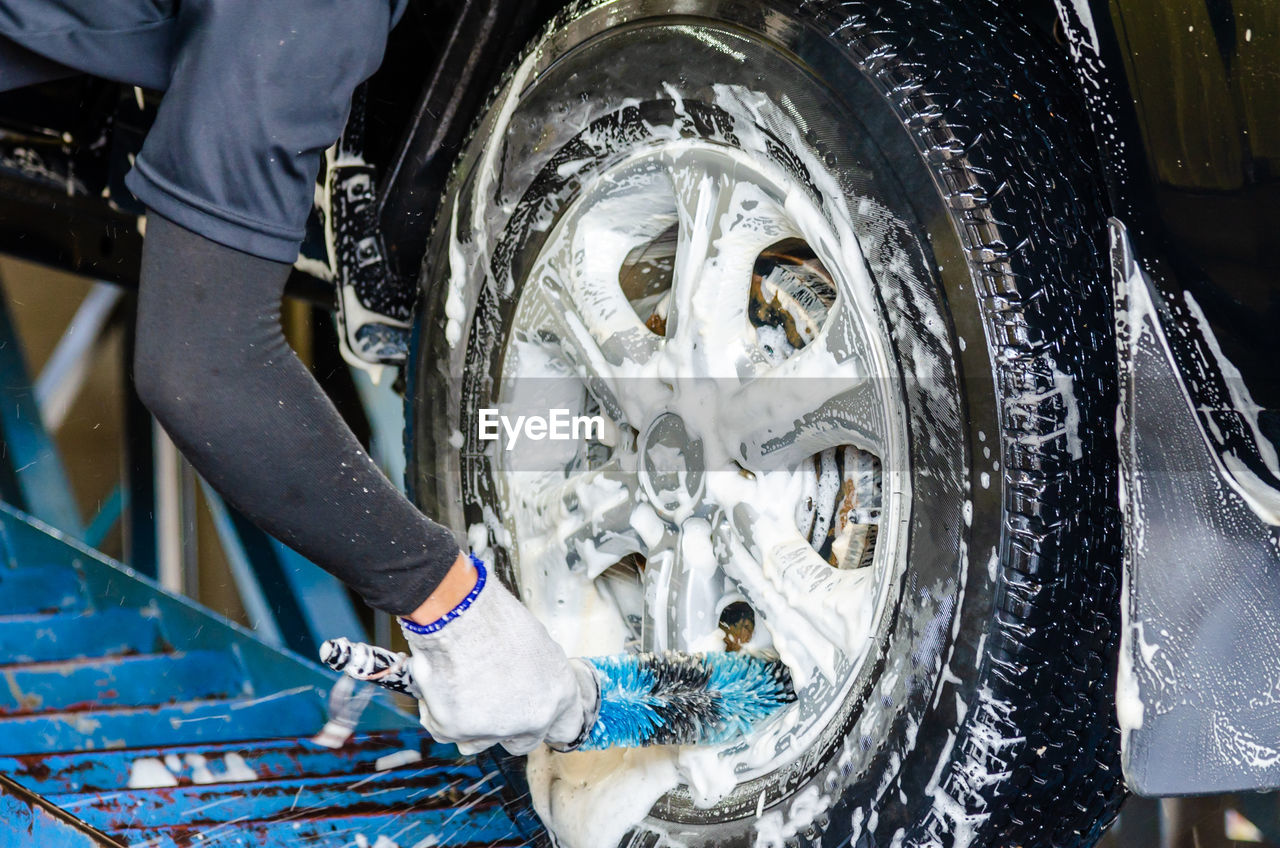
(683, 586)
(724, 224)
(589, 321)
(696, 588)
(797, 642)
(786, 580)
(658, 571)
(583, 522)
(822, 396)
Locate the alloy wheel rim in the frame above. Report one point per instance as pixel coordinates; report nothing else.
(750, 487)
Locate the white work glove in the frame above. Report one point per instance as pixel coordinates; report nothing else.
(489, 673)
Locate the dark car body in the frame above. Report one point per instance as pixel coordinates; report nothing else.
(1184, 99)
(1185, 103)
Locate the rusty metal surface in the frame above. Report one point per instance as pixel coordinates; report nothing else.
(135, 713)
(35, 821)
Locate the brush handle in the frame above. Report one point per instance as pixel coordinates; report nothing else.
(361, 661)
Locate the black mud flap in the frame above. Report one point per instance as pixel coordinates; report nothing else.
(1199, 685)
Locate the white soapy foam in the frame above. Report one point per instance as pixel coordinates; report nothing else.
(315, 267)
(647, 524)
(592, 798)
(150, 773)
(385, 841)
(236, 769)
(986, 743)
(1261, 497)
(455, 307)
(773, 830)
(1129, 706)
(460, 262)
(396, 759)
(704, 772)
(946, 807)
(478, 541)
(1239, 745)
(200, 773)
(1085, 14)
(1064, 385)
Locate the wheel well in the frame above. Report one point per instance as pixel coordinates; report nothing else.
(419, 113)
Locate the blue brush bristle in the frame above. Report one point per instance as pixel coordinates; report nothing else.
(748, 689)
(626, 703)
(684, 699)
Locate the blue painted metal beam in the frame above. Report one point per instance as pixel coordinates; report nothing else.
(109, 514)
(291, 712)
(326, 607)
(40, 589)
(262, 617)
(185, 623)
(308, 604)
(121, 681)
(101, 633)
(26, 819)
(460, 826)
(268, 759)
(29, 451)
(419, 789)
(157, 741)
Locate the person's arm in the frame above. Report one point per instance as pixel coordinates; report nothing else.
(213, 365)
(457, 583)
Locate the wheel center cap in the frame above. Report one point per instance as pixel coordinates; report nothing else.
(671, 464)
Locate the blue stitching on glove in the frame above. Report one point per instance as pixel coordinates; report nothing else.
(425, 629)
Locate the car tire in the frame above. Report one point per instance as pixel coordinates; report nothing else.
(949, 139)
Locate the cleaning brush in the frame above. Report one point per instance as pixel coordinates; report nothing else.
(670, 698)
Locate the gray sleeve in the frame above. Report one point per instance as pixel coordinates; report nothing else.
(257, 92)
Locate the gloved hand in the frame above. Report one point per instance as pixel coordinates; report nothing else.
(489, 673)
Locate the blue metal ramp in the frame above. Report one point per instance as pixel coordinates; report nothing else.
(130, 716)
